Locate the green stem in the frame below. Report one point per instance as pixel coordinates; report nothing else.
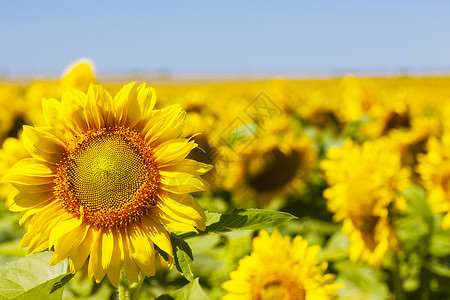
(127, 289)
(398, 285)
(123, 290)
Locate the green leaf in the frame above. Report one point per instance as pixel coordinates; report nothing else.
(11, 248)
(439, 266)
(440, 244)
(183, 257)
(191, 291)
(360, 281)
(212, 217)
(250, 219)
(32, 278)
(418, 203)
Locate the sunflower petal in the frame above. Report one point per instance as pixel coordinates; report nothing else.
(51, 110)
(113, 271)
(168, 124)
(107, 247)
(63, 228)
(142, 250)
(125, 250)
(95, 269)
(157, 233)
(29, 200)
(173, 152)
(42, 144)
(181, 183)
(121, 101)
(72, 112)
(189, 166)
(185, 209)
(30, 171)
(68, 244)
(93, 116)
(83, 251)
(170, 222)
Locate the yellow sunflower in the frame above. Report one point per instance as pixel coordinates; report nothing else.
(280, 269)
(365, 181)
(276, 161)
(78, 75)
(434, 168)
(11, 152)
(106, 179)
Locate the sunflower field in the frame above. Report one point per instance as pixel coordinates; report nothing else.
(134, 188)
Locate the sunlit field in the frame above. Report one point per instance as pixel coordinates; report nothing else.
(331, 188)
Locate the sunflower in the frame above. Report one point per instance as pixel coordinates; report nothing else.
(78, 75)
(277, 161)
(106, 179)
(434, 168)
(10, 109)
(280, 269)
(11, 152)
(365, 181)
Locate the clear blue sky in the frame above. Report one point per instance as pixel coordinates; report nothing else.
(277, 37)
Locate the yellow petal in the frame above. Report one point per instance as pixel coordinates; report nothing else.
(68, 244)
(142, 249)
(105, 106)
(157, 234)
(83, 251)
(93, 116)
(183, 208)
(115, 265)
(173, 152)
(138, 104)
(147, 99)
(42, 144)
(125, 250)
(122, 100)
(72, 113)
(167, 124)
(182, 183)
(39, 220)
(189, 166)
(95, 269)
(51, 110)
(39, 242)
(107, 247)
(33, 189)
(30, 211)
(170, 222)
(29, 200)
(30, 171)
(63, 228)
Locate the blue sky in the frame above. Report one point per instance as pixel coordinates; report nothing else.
(226, 37)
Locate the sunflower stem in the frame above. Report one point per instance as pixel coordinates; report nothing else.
(123, 290)
(127, 289)
(398, 284)
(136, 286)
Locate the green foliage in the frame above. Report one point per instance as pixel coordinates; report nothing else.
(361, 282)
(32, 278)
(250, 219)
(183, 257)
(191, 291)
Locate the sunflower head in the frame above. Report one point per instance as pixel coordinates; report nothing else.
(277, 161)
(78, 75)
(111, 176)
(365, 183)
(434, 168)
(279, 268)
